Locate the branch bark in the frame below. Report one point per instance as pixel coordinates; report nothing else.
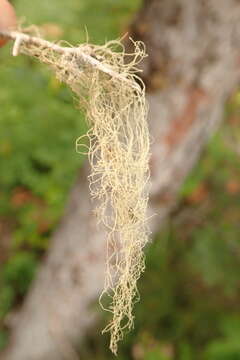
(192, 68)
(40, 43)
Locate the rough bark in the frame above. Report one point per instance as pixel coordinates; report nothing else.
(193, 66)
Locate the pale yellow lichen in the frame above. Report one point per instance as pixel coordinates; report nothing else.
(119, 154)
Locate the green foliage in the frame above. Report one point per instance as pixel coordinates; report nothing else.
(18, 273)
(6, 299)
(228, 345)
(15, 278)
(3, 339)
(100, 20)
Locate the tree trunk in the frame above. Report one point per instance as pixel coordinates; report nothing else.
(193, 66)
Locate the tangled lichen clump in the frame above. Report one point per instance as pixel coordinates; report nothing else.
(119, 154)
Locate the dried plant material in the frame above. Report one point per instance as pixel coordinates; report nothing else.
(119, 154)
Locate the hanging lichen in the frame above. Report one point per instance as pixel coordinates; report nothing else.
(119, 154)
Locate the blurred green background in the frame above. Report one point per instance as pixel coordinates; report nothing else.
(190, 292)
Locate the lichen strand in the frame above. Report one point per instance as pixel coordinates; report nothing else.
(119, 154)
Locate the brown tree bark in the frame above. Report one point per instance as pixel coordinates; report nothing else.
(193, 66)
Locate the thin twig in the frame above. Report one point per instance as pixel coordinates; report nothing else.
(20, 37)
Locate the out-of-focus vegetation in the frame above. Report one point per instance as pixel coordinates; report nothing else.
(190, 292)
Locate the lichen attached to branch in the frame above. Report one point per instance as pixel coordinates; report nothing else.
(116, 110)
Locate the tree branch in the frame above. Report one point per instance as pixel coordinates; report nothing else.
(21, 38)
